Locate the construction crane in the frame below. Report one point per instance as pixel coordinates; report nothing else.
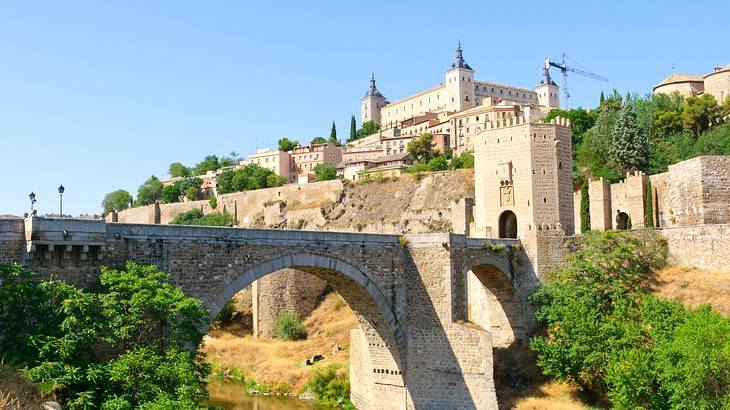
(563, 67)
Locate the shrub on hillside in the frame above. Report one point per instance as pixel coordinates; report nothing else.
(290, 327)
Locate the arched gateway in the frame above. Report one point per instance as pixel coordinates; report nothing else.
(412, 349)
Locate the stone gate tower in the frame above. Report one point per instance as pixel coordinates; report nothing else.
(524, 185)
(371, 103)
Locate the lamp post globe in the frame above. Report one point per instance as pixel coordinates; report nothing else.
(32, 201)
(60, 207)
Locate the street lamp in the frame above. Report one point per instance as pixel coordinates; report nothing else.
(32, 201)
(60, 193)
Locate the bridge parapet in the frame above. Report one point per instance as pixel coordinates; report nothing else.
(66, 238)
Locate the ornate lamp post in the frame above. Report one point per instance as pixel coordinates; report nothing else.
(32, 201)
(60, 193)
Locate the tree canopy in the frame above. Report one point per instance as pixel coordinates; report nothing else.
(149, 192)
(112, 346)
(249, 177)
(118, 200)
(421, 148)
(325, 172)
(285, 144)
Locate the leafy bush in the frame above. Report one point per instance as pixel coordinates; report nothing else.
(196, 217)
(609, 336)
(213, 202)
(247, 178)
(123, 344)
(289, 327)
(331, 385)
(438, 163)
(325, 172)
(465, 160)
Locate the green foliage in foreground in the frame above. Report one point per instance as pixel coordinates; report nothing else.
(124, 344)
(331, 385)
(289, 327)
(606, 334)
(196, 217)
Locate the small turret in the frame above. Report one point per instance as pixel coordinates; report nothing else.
(547, 91)
(371, 103)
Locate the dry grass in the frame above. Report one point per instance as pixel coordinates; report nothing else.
(550, 396)
(16, 392)
(693, 287)
(277, 361)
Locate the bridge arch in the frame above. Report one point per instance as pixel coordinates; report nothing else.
(381, 353)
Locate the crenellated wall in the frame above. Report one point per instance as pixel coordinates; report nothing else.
(692, 192)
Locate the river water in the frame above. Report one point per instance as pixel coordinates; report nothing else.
(233, 396)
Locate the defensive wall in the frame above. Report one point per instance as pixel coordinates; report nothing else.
(690, 206)
(411, 296)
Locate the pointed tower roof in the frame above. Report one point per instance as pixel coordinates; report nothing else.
(373, 91)
(546, 80)
(460, 62)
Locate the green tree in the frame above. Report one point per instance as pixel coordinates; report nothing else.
(171, 193)
(318, 140)
(209, 163)
(649, 205)
(149, 192)
(333, 135)
(325, 172)
(110, 347)
(629, 148)
(179, 170)
(585, 210)
(592, 153)
(274, 180)
(369, 128)
(580, 121)
(699, 113)
(353, 129)
(585, 306)
(715, 141)
(118, 200)
(285, 144)
(190, 187)
(421, 148)
(465, 160)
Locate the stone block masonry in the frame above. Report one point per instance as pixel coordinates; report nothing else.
(702, 246)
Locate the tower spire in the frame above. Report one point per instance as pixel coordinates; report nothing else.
(460, 62)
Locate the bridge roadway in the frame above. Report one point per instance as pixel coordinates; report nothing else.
(412, 295)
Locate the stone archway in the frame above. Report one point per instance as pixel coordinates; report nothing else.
(494, 305)
(508, 225)
(623, 221)
(376, 351)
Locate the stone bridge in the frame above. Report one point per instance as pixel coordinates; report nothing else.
(431, 307)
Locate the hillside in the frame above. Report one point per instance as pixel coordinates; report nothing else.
(693, 287)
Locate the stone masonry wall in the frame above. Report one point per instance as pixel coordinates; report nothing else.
(287, 290)
(12, 240)
(703, 246)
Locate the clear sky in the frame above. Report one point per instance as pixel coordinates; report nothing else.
(100, 95)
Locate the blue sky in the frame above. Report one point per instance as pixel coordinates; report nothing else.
(100, 95)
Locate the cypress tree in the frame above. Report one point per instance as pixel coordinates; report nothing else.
(629, 146)
(353, 129)
(585, 209)
(649, 206)
(333, 134)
